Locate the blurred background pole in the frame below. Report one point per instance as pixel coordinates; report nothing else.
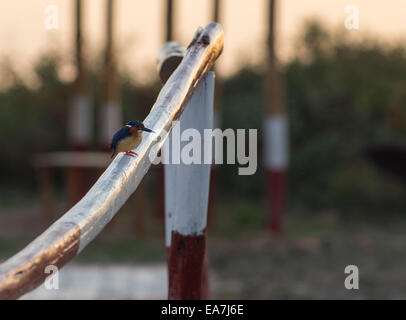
(110, 116)
(111, 113)
(276, 137)
(169, 20)
(169, 36)
(218, 91)
(80, 114)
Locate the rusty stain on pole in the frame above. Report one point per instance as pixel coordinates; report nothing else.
(186, 261)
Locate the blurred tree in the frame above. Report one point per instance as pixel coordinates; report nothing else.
(340, 94)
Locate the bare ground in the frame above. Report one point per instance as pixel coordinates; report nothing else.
(306, 262)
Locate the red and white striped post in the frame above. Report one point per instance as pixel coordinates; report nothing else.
(80, 116)
(186, 202)
(276, 134)
(110, 113)
(186, 216)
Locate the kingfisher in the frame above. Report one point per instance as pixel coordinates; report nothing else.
(128, 138)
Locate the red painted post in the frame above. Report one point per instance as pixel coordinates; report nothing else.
(275, 125)
(186, 262)
(276, 196)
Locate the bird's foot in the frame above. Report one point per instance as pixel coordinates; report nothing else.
(131, 154)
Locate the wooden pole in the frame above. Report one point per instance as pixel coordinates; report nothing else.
(169, 20)
(80, 116)
(276, 148)
(187, 216)
(216, 10)
(169, 57)
(46, 193)
(80, 113)
(111, 113)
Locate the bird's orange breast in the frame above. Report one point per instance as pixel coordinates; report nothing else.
(129, 143)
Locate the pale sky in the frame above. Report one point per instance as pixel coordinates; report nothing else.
(139, 28)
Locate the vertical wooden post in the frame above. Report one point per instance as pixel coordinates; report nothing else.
(187, 193)
(110, 117)
(80, 116)
(170, 55)
(111, 113)
(46, 192)
(276, 148)
(169, 20)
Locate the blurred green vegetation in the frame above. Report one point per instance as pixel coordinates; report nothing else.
(341, 95)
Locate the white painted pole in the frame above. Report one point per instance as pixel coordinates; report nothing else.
(80, 122)
(276, 133)
(186, 198)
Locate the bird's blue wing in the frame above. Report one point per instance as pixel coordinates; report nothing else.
(124, 132)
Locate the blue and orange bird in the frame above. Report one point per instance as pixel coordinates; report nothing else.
(128, 138)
